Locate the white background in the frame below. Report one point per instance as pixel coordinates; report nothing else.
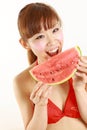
(13, 57)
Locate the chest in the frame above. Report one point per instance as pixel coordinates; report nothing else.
(62, 103)
(59, 95)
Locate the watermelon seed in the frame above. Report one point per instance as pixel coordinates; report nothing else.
(51, 72)
(57, 69)
(53, 79)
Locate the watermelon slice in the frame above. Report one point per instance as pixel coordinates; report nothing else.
(58, 68)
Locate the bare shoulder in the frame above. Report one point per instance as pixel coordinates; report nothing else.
(24, 81)
(23, 84)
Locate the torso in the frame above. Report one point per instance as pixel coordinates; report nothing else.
(67, 123)
(59, 95)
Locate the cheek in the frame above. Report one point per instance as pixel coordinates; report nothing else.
(39, 46)
(60, 36)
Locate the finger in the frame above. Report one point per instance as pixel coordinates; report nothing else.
(42, 89)
(47, 92)
(80, 63)
(82, 75)
(42, 94)
(35, 100)
(37, 86)
(38, 96)
(35, 89)
(39, 92)
(84, 59)
(82, 69)
(44, 97)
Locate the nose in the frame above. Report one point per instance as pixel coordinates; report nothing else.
(50, 39)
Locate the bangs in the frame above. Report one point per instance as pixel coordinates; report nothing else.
(35, 18)
(45, 20)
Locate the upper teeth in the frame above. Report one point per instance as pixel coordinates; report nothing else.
(52, 51)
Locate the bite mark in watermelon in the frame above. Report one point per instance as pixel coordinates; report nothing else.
(57, 69)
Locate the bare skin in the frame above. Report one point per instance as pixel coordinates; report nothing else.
(35, 116)
(32, 96)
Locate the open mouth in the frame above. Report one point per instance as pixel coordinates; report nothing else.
(53, 52)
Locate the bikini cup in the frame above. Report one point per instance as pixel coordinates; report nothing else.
(70, 108)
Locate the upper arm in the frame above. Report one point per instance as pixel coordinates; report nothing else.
(23, 100)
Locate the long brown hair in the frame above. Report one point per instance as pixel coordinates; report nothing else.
(30, 20)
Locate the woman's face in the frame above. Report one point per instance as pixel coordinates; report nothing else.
(47, 43)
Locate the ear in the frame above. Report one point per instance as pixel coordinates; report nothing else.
(24, 44)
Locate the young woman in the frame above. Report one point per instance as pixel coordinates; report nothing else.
(63, 107)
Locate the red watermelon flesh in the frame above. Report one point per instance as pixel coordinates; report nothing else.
(58, 68)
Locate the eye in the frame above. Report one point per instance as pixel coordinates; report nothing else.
(55, 30)
(40, 37)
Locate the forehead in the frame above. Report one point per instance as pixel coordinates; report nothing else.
(54, 24)
(57, 24)
(48, 23)
(34, 17)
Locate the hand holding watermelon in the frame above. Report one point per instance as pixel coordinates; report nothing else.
(80, 77)
(40, 94)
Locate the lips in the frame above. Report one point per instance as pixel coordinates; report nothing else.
(53, 52)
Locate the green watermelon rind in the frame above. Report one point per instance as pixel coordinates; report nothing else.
(79, 50)
(67, 78)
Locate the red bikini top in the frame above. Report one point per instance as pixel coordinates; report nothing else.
(70, 108)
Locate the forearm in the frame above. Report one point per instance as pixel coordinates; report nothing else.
(39, 119)
(81, 97)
